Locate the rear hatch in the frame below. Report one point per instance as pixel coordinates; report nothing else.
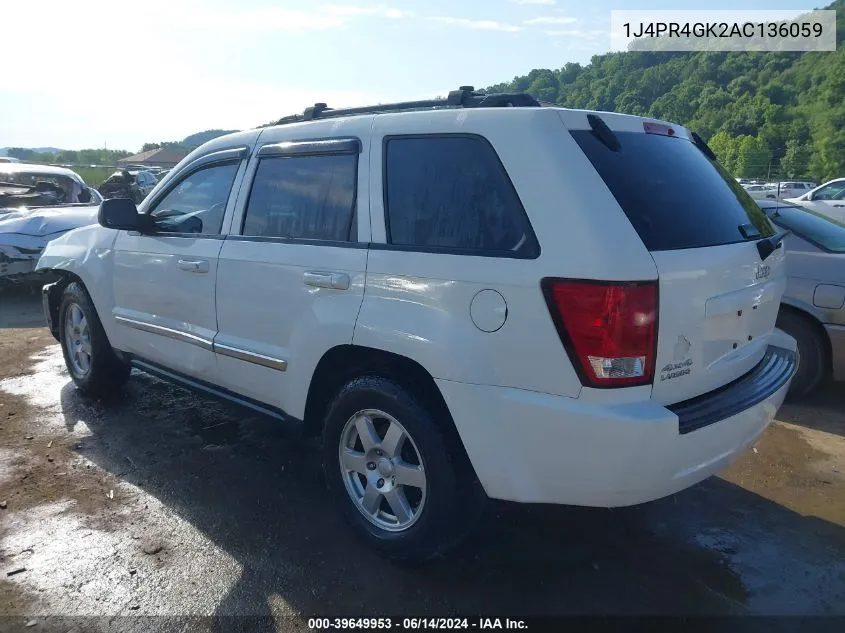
(718, 298)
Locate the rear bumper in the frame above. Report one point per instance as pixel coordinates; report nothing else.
(769, 375)
(836, 333)
(539, 448)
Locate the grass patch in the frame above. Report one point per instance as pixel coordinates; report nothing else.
(94, 176)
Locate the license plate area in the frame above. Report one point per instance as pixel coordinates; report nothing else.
(736, 319)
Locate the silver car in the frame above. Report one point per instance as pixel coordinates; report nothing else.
(813, 306)
(38, 203)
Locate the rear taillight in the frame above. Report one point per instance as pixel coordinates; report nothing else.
(608, 328)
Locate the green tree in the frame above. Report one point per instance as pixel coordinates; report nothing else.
(67, 157)
(796, 159)
(753, 158)
(543, 85)
(828, 157)
(726, 148)
(790, 105)
(21, 153)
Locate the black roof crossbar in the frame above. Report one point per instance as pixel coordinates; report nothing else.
(463, 97)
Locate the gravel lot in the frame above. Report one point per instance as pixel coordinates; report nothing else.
(169, 504)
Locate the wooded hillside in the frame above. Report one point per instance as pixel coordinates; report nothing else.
(764, 114)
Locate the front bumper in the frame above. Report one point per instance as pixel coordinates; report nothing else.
(539, 448)
(836, 333)
(17, 262)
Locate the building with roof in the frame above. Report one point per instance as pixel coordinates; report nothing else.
(165, 157)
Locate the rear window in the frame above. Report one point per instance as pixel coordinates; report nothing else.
(817, 229)
(674, 195)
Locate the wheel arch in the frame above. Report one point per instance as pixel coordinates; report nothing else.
(54, 295)
(810, 319)
(343, 363)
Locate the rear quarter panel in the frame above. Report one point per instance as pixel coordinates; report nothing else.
(418, 304)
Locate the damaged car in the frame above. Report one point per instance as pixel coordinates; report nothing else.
(128, 183)
(38, 203)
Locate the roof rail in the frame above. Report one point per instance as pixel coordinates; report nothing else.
(463, 97)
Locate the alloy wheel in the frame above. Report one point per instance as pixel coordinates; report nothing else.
(382, 470)
(78, 340)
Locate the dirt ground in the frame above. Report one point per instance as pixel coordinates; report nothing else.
(163, 503)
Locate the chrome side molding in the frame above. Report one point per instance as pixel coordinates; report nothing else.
(204, 343)
(251, 357)
(161, 330)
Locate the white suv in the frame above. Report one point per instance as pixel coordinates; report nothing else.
(793, 188)
(463, 300)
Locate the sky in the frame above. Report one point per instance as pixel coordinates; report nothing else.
(95, 73)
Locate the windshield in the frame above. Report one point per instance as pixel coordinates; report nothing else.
(817, 229)
(674, 196)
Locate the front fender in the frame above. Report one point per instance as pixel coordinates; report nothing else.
(86, 253)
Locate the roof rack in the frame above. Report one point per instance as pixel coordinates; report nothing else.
(463, 97)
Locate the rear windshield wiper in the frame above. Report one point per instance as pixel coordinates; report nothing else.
(769, 245)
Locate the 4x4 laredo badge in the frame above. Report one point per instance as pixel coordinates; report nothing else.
(673, 370)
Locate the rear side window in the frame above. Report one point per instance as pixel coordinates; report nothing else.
(815, 228)
(303, 197)
(673, 195)
(450, 193)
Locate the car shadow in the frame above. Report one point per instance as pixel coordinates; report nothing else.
(821, 410)
(258, 493)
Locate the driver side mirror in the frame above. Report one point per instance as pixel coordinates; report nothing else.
(122, 214)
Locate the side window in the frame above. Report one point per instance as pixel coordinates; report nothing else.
(833, 191)
(451, 192)
(197, 203)
(304, 197)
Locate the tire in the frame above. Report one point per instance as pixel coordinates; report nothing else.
(439, 513)
(91, 362)
(811, 352)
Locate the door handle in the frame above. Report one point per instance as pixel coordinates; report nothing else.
(338, 281)
(194, 265)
